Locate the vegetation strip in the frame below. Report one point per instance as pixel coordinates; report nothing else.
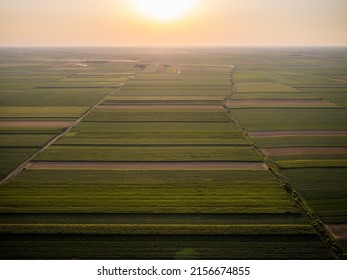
(150, 165)
(35, 124)
(279, 133)
(281, 229)
(304, 151)
(280, 103)
(160, 107)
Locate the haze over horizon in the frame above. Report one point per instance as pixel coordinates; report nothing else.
(195, 23)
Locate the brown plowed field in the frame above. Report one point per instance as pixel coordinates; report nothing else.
(280, 103)
(150, 165)
(160, 107)
(339, 231)
(259, 134)
(35, 124)
(304, 151)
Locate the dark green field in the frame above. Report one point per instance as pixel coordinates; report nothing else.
(285, 112)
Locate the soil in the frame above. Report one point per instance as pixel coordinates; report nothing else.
(339, 231)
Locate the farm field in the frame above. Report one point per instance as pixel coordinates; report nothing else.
(307, 146)
(213, 154)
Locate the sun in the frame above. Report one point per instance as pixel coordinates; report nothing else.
(164, 10)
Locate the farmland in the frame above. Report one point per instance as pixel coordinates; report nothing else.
(187, 155)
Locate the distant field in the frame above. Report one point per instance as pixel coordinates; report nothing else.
(264, 87)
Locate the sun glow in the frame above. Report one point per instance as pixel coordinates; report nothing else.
(164, 10)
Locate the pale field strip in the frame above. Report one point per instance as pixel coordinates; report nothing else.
(296, 133)
(304, 151)
(149, 165)
(288, 103)
(160, 107)
(339, 231)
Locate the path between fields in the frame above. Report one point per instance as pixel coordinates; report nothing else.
(150, 165)
(260, 134)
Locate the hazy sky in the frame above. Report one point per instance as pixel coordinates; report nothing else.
(212, 22)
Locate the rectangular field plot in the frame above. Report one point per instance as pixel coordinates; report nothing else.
(292, 119)
(264, 87)
(152, 127)
(35, 124)
(154, 138)
(43, 191)
(158, 115)
(275, 103)
(273, 96)
(42, 112)
(324, 189)
(138, 165)
(24, 140)
(161, 247)
(92, 153)
(302, 141)
(54, 97)
(337, 98)
(10, 158)
(159, 107)
(163, 98)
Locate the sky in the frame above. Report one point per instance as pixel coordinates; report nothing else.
(207, 23)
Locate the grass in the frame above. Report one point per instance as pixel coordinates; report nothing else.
(90, 153)
(292, 119)
(155, 127)
(53, 97)
(264, 87)
(162, 247)
(158, 219)
(324, 189)
(171, 192)
(150, 229)
(24, 140)
(10, 158)
(302, 141)
(310, 163)
(159, 115)
(153, 138)
(41, 112)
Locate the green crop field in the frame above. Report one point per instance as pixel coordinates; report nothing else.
(158, 108)
(92, 153)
